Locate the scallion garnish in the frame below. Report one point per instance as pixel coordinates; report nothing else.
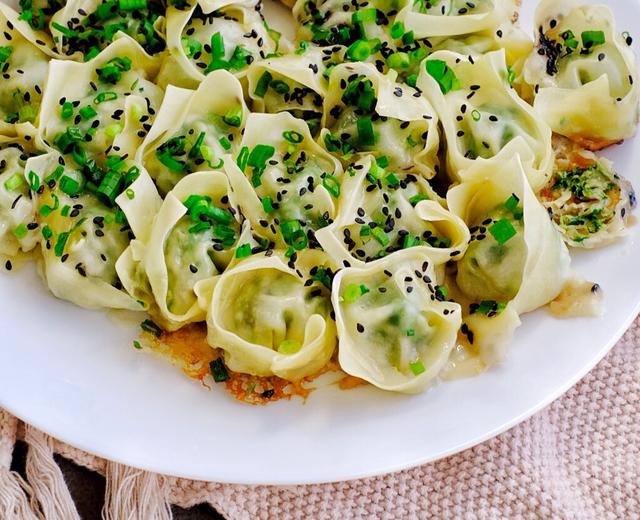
(502, 231)
(5, 53)
(366, 136)
(218, 370)
(293, 234)
(293, 137)
(104, 97)
(263, 84)
(592, 38)
(442, 73)
(87, 112)
(267, 205)
(243, 251)
(14, 182)
(69, 186)
(110, 187)
(152, 327)
(233, 117)
(332, 185)
(417, 367)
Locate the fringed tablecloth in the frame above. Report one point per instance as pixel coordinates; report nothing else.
(579, 458)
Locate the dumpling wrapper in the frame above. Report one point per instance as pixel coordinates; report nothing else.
(188, 113)
(404, 122)
(408, 201)
(540, 253)
(605, 79)
(484, 120)
(261, 306)
(393, 330)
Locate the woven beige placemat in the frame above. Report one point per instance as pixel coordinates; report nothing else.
(579, 458)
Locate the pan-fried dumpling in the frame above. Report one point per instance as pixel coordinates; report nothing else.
(193, 129)
(286, 185)
(229, 38)
(587, 200)
(101, 108)
(395, 329)
(368, 112)
(294, 83)
(86, 27)
(82, 237)
(19, 230)
(584, 74)
(382, 211)
(516, 260)
(24, 65)
(269, 321)
(484, 120)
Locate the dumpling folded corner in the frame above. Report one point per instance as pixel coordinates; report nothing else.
(584, 74)
(193, 129)
(269, 321)
(394, 327)
(367, 112)
(382, 211)
(516, 260)
(484, 120)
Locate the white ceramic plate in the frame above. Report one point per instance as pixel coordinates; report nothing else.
(75, 375)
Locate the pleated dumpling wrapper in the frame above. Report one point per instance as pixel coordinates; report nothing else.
(269, 321)
(395, 329)
(366, 112)
(382, 211)
(584, 73)
(286, 185)
(199, 42)
(194, 129)
(516, 260)
(484, 120)
(194, 236)
(83, 236)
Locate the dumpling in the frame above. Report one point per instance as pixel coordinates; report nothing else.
(286, 185)
(484, 120)
(516, 260)
(582, 61)
(19, 230)
(100, 108)
(193, 129)
(295, 83)
(86, 27)
(195, 235)
(395, 330)
(269, 321)
(82, 238)
(229, 38)
(455, 17)
(24, 65)
(382, 211)
(368, 112)
(360, 26)
(587, 200)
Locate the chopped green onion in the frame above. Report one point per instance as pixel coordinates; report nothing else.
(475, 114)
(113, 130)
(130, 194)
(408, 38)
(105, 96)
(368, 15)
(46, 232)
(380, 236)
(332, 185)
(27, 113)
(592, 38)
(152, 327)
(397, 30)
(225, 143)
(67, 110)
(69, 185)
(137, 345)
(243, 157)
(69, 33)
(443, 74)
(417, 367)
(132, 5)
(200, 226)
(233, 117)
(293, 234)
(289, 346)
(65, 210)
(243, 251)
(512, 202)
(46, 210)
(410, 241)
(487, 307)
(5, 52)
(20, 231)
(87, 112)
(502, 231)
(263, 84)
(191, 47)
(267, 205)
(392, 180)
(279, 86)
(353, 291)
(382, 161)
(218, 370)
(112, 71)
(366, 136)
(14, 182)
(110, 187)
(570, 40)
(34, 180)
(293, 137)
(61, 242)
(360, 50)
(511, 76)
(411, 332)
(399, 60)
(217, 46)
